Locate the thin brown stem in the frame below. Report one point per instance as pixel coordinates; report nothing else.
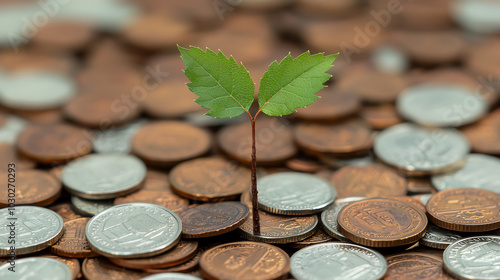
(255, 205)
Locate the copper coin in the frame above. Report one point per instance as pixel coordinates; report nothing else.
(319, 236)
(209, 179)
(484, 135)
(102, 111)
(483, 59)
(384, 87)
(369, 181)
(181, 253)
(305, 165)
(415, 266)
(381, 116)
(277, 229)
(332, 105)
(214, 219)
(101, 268)
(468, 210)
(8, 154)
(382, 222)
(112, 80)
(170, 100)
(245, 260)
(189, 266)
(424, 14)
(431, 47)
(274, 142)
(166, 143)
(32, 187)
(420, 185)
(65, 211)
(36, 60)
(50, 116)
(63, 36)
(157, 31)
(327, 8)
(73, 243)
(57, 143)
(348, 138)
(408, 199)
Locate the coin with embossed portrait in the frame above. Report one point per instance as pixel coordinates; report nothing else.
(294, 193)
(36, 268)
(73, 243)
(417, 150)
(102, 176)
(35, 228)
(330, 215)
(479, 172)
(337, 261)
(439, 238)
(133, 230)
(474, 258)
(212, 219)
(245, 260)
(467, 210)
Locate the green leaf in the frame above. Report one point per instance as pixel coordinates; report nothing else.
(293, 83)
(223, 86)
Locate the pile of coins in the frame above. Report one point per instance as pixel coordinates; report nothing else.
(110, 170)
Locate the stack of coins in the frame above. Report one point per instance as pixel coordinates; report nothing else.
(110, 170)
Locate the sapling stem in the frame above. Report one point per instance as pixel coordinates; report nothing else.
(255, 204)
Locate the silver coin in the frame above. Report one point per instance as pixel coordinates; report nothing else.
(171, 276)
(294, 193)
(441, 105)
(32, 90)
(118, 140)
(390, 60)
(102, 176)
(479, 172)
(330, 215)
(134, 230)
(87, 207)
(36, 268)
(337, 261)
(475, 258)
(35, 228)
(11, 128)
(418, 150)
(479, 16)
(440, 238)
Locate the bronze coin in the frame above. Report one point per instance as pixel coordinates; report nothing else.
(319, 236)
(369, 181)
(8, 154)
(245, 260)
(189, 266)
(170, 100)
(277, 229)
(112, 80)
(51, 116)
(419, 205)
(102, 111)
(209, 179)
(73, 243)
(101, 268)
(63, 36)
(305, 165)
(381, 222)
(213, 219)
(484, 135)
(332, 105)
(157, 31)
(327, 8)
(56, 143)
(468, 210)
(166, 143)
(384, 87)
(181, 253)
(415, 266)
(431, 47)
(36, 60)
(420, 185)
(381, 116)
(274, 142)
(66, 212)
(348, 138)
(423, 14)
(483, 59)
(32, 187)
